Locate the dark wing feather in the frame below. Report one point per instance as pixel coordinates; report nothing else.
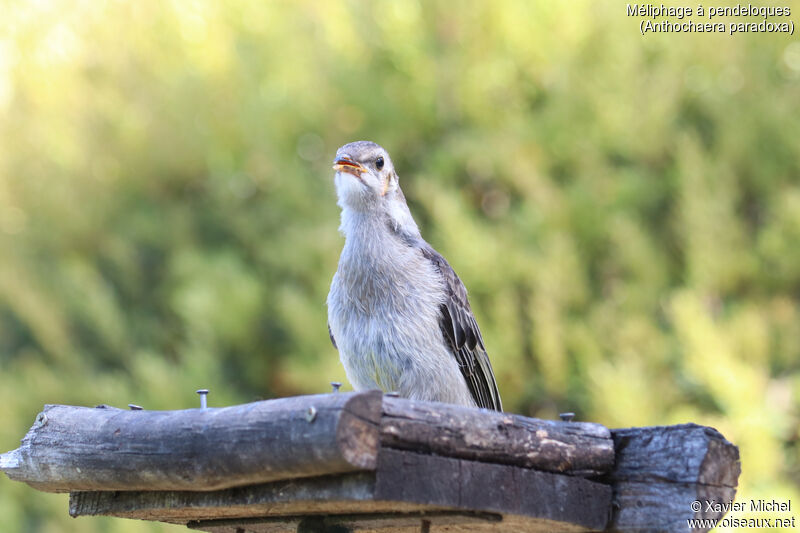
(330, 334)
(461, 331)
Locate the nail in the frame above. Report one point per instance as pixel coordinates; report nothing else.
(566, 417)
(203, 398)
(393, 394)
(311, 414)
(336, 385)
(134, 407)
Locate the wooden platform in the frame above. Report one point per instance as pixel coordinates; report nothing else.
(368, 462)
(404, 489)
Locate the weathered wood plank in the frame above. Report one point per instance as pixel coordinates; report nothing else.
(436, 522)
(661, 470)
(78, 448)
(402, 482)
(454, 521)
(472, 485)
(343, 493)
(574, 448)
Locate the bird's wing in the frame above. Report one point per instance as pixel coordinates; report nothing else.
(330, 334)
(463, 336)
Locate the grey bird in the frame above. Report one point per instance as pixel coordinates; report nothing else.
(397, 312)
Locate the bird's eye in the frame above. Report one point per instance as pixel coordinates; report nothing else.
(379, 163)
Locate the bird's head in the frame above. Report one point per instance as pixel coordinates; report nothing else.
(365, 177)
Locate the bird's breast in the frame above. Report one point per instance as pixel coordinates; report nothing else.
(383, 310)
(395, 279)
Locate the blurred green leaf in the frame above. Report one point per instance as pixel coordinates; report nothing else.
(625, 211)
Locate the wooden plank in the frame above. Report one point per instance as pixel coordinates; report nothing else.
(461, 523)
(402, 482)
(344, 493)
(78, 448)
(382, 522)
(661, 471)
(574, 448)
(471, 485)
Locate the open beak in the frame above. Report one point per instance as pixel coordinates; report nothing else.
(345, 164)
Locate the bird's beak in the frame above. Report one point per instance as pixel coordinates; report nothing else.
(345, 164)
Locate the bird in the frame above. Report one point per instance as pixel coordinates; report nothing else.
(397, 312)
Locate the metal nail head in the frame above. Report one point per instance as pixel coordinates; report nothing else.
(134, 407)
(311, 414)
(336, 385)
(566, 417)
(203, 398)
(393, 394)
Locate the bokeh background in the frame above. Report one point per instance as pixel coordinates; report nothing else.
(624, 210)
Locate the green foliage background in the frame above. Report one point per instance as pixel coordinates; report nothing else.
(625, 210)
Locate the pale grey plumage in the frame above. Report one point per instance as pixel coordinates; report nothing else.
(397, 312)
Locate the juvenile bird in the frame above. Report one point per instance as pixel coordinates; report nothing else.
(397, 312)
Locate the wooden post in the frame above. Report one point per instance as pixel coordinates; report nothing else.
(573, 448)
(661, 471)
(79, 448)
